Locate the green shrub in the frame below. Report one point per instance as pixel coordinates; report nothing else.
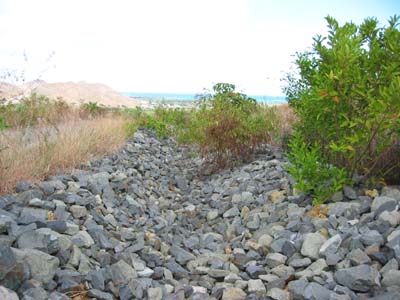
(32, 110)
(93, 108)
(3, 124)
(312, 174)
(166, 122)
(346, 97)
(228, 126)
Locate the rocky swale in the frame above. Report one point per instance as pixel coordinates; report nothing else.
(142, 224)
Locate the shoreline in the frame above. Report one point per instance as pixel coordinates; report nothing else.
(153, 102)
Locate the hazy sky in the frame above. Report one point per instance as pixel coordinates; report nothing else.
(169, 45)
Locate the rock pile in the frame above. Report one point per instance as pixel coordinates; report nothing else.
(142, 224)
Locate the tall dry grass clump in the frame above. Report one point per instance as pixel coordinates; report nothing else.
(33, 154)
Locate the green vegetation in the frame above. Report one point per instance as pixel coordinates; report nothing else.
(39, 137)
(226, 126)
(93, 108)
(229, 127)
(3, 124)
(33, 110)
(346, 98)
(312, 172)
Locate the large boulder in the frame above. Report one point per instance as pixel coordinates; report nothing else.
(361, 278)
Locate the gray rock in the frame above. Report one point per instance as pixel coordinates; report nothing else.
(315, 291)
(133, 289)
(256, 286)
(212, 214)
(35, 293)
(121, 273)
(96, 279)
(181, 256)
(391, 278)
(265, 240)
(317, 267)
(393, 242)
(216, 273)
(283, 271)
(6, 294)
(177, 270)
(40, 241)
(49, 187)
(312, 244)
(339, 208)
(371, 237)
(383, 202)
(297, 287)
(141, 224)
(392, 217)
(253, 222)
(232, 278)
(154, 293)
(300, 262)
(101, 239)
(30, 215)
(358, 257)
(57, 226)
(331, 245)
(35, 202)
(78, 211)
(23, 186)
(233, 212)
(82, 239)
(147, 272)
(387, 296)
(7, 261)
(233, 293)
(99, 295)
(42, 266)
(181, 183)
(349, 192)
(278, 294)
(58, 296)
(390, 265)
(254, 271)
(275, 259)
(362, 278)
(337, 197)
(391, 192)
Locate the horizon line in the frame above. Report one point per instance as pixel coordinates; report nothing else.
(191, 93)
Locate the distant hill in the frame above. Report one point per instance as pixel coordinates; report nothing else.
(71, 92)
(9, 91)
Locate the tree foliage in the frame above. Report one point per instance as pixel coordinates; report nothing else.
(346, 93)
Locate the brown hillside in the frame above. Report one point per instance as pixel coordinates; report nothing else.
(71, 92)
(9, 91)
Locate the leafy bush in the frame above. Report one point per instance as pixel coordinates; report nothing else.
(33, 110)
(3, 124)
(313, 174)
(166, 122)
(228, 126)
(346, 96)
(93, 109)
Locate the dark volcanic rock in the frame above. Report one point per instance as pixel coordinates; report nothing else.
(152, 221)
(362, 278)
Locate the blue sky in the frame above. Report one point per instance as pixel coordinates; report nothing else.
(169, 46)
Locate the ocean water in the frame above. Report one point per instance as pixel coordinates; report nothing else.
(192, 97)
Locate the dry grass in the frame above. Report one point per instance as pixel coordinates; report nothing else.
(287, 117)
(282, 119)
(33, 154)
